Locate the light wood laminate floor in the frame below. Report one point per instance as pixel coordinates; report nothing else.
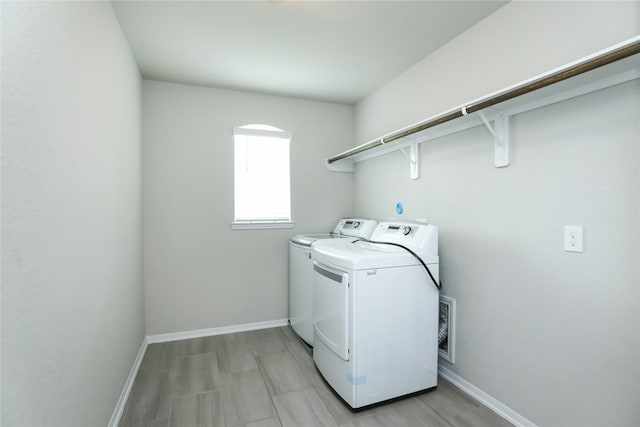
(267, 378)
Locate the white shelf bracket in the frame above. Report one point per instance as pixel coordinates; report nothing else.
(414, 160)
(501, 140)
(500, 136)
(413, 157)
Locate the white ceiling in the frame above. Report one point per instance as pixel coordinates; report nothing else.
(338, 51)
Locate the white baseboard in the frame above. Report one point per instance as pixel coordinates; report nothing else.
(487, 400)
(175, 336)
(117, 412)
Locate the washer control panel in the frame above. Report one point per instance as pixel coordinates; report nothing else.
(356, 227)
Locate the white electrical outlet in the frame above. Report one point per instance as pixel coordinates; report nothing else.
(573, 238)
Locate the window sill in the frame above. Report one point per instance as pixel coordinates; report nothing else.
(260, 225)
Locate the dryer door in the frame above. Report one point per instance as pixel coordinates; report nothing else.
(331, 308)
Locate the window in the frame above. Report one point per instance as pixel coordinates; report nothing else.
(261, 177)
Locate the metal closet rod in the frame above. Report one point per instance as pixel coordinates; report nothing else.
(598, 61)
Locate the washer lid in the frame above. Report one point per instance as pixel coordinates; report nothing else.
(360, 255)
(308, 239)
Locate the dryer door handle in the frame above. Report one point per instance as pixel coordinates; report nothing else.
(330, 273)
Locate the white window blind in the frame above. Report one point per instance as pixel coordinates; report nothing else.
(261, 175)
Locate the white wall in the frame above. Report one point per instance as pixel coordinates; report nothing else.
(554, 335)
(198, 272)
(72, 294)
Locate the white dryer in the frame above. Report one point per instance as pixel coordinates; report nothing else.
(301, 270)
(376, 313)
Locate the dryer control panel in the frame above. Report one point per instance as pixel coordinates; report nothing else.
(417, 236)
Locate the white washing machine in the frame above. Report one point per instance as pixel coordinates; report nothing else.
(301, 270)
(376, 313)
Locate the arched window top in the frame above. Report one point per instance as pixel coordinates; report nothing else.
(261, 130)
(261, 127)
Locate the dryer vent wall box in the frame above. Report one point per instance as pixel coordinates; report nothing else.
(377, 339)
(447, 329)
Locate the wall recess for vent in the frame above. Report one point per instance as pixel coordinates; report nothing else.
(447, 330)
